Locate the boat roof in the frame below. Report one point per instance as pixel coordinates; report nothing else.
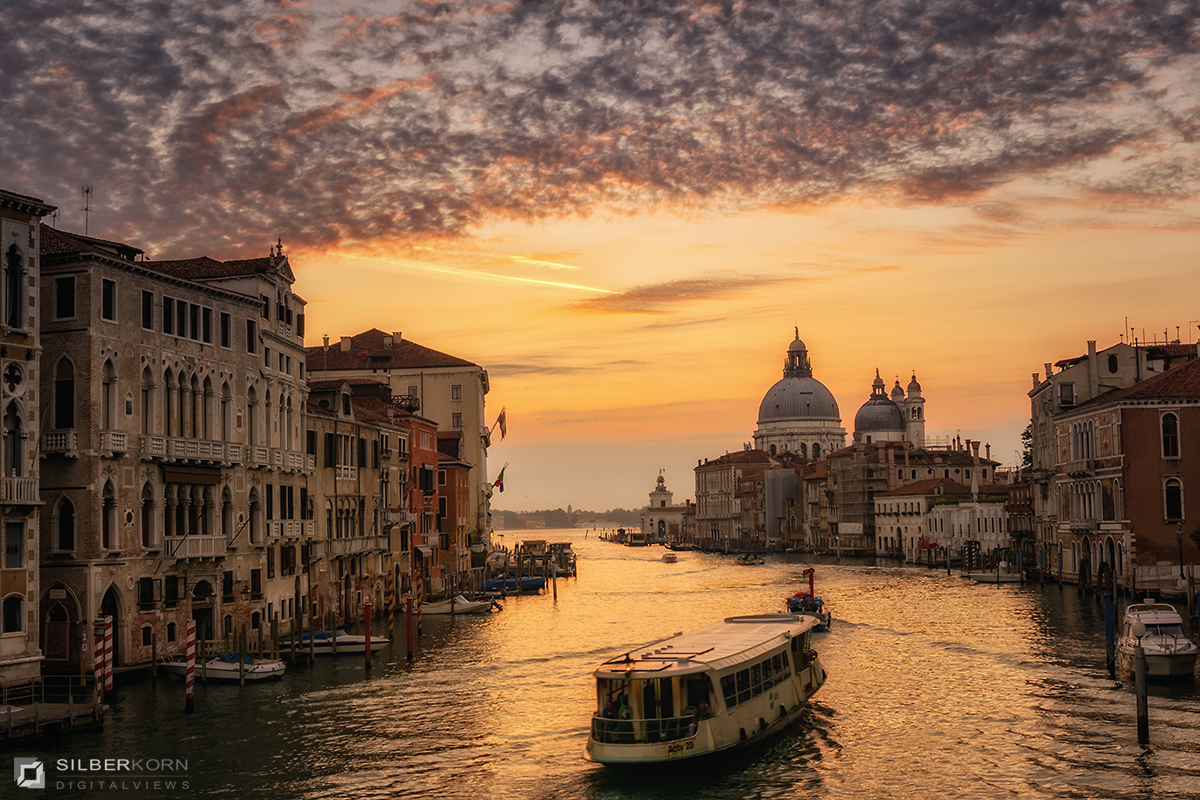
(732, 641)
(1153, 613)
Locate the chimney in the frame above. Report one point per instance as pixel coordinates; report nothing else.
(1049, 369)
(1093, 369)
(396, 337)
(987, 451)
(1036, 380)
(345, 344)
(387, 342)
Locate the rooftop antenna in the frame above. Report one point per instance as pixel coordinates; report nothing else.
(86, 190)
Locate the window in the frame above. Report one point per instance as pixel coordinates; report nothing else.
(226, 330)
(172, 595)
(64, 298)
(456, 392)
(63, 525)
(256, 578)
(1112, 364)
(147, 598)
(266, 306)
(1066, 394)
(14, 612)
(227, 586)
(181, 318)
(1173, 499)
(1170, 436)
(206, 333)
(146, 636)
(171, 635)
(14, 288)
(456, 420)
(251, 336)
(147, 310)
(14, 545)
(267, 357)
(441, 477)
(169, 315)
(108, 300)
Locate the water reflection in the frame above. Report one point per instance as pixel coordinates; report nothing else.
(938, 687)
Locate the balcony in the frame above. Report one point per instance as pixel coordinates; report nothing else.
(60, 442)
(397, 516)
(182, 449)
(20, 490)
(1080, 467)
(114, 442)
(1083, 525)
(355, 545)
(196, 546)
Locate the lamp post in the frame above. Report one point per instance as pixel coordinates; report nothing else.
(1179, 538)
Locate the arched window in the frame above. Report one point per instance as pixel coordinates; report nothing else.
(772, 449)
(64, 395)
(14, 463)
(170, 407)
(816, 451)
(148, 517)
(1170, 436)
(256, 520)
(207, 429)
(147, 401)
(14, 613)
(1173, 499)
(803, 450)
(14, 287)
(62, 524)
(108, 518)
(108, 397)
(226, 514)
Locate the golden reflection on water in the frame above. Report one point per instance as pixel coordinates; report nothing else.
(937, 688)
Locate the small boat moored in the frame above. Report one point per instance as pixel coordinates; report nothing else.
(669, 557)
(1169, 651)
(719, 689)
(750, 560)
(461, 606)
(322, 644)
(225, 667)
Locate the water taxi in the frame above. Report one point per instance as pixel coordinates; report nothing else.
(718, 689)
(1169, 652)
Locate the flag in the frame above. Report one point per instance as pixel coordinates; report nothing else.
(502, 421)
(500, 479)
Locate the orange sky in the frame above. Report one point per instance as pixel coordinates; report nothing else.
(623, 210)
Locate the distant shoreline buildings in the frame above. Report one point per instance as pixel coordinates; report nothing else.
(1102, 500)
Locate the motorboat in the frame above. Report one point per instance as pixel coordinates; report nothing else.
(322, 643)
(461, 605)
(526, 584)
(803, 602)
(749, 560)
(1169, 651)
(226, 667)
(1001, 573)
(669, 557)
(719, 689)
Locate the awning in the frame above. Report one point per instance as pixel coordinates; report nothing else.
(425, 550)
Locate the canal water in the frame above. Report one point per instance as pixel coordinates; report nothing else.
(937, 687)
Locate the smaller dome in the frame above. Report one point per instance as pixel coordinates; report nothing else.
(913, 386)
(879, 414)
(897, 392)
(797, 345)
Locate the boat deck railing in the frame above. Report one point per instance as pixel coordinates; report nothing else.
(642, 731)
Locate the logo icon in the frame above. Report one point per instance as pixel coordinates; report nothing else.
(29, 772)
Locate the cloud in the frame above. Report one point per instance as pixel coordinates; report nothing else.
(223, 124)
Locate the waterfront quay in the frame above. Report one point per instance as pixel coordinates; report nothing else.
(938, 686)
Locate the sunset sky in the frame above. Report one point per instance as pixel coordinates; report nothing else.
(623, 210)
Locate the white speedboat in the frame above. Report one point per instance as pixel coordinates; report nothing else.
(461, 606)
(724, 687)
(1169, 651)
(669, 557)
(225, 667)
(322, 644)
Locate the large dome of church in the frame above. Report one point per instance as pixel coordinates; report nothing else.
(798, 398)
(798, 395)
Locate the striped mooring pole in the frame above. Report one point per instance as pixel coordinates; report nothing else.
(98, 663)
(189, 705)
(108, 654)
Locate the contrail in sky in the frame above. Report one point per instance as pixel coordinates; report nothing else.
(466, 273)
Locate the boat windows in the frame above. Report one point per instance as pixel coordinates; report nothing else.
(743, 685)
(729, 689)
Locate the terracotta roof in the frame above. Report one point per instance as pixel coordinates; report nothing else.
(55, 242)
(1178, 383)
(753, 457)
(367, 351)
(205, 268)
(950, 488)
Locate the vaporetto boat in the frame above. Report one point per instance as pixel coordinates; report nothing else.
(720, 688)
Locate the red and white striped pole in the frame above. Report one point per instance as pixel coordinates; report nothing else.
(108, 654)
(391, 606)
(98, 663)
(189, 705)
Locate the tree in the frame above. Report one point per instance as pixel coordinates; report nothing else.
(1027, 447)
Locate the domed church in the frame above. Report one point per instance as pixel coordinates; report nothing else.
(894, 418)
(798, 414)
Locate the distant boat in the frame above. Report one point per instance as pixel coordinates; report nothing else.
(669, 557)
(461, 606)
(749, 560)
(998, 574)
